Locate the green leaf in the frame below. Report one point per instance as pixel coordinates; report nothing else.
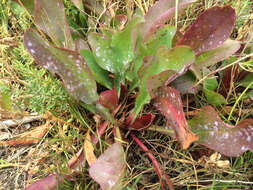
(5, 101)
(162, 38)
(103, 53)
(214, 98)
(114, 53)
(247, 80)
(100, 75)
(175, 61)
(122, 43)
(210, 83)
(5, 97)
(29, 5)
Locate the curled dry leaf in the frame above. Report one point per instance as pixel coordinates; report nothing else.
(210, 29)
(31, 137)
(169, 103)
(109, 169)
(77, 162)
(89, 150)
(220, 136)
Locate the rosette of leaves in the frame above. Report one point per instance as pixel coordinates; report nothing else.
(143, 58)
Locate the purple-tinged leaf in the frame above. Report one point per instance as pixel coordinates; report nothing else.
(48, 183)
(169, 103)
(109, 99)
(100, 131)
(159, 13)
(156, 81)
(210, 29)
(109, 169)
(211, 57)
(185, 84)
(81, 44)
(119, 21)
(220, 136)
(72, 68)
(50, 18)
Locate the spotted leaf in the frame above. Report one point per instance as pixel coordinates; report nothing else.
(210, 29)
(122, 44)
(109, 168)
(100, 75)
(220, 136)
(72, 68)
(169, 103)
(103, 53)
(163, 37)
(50, 18)
(162, 68)
(211, 57)
(159, 13)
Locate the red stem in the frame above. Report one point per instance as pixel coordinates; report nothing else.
(160, 172)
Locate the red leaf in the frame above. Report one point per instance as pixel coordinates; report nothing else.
(210, 29)
(169, 103)
(109, 99)
(220, 136)
(142, 122)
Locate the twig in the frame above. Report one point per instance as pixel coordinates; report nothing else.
(15, 122)
(222, 68)
(222, 181)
